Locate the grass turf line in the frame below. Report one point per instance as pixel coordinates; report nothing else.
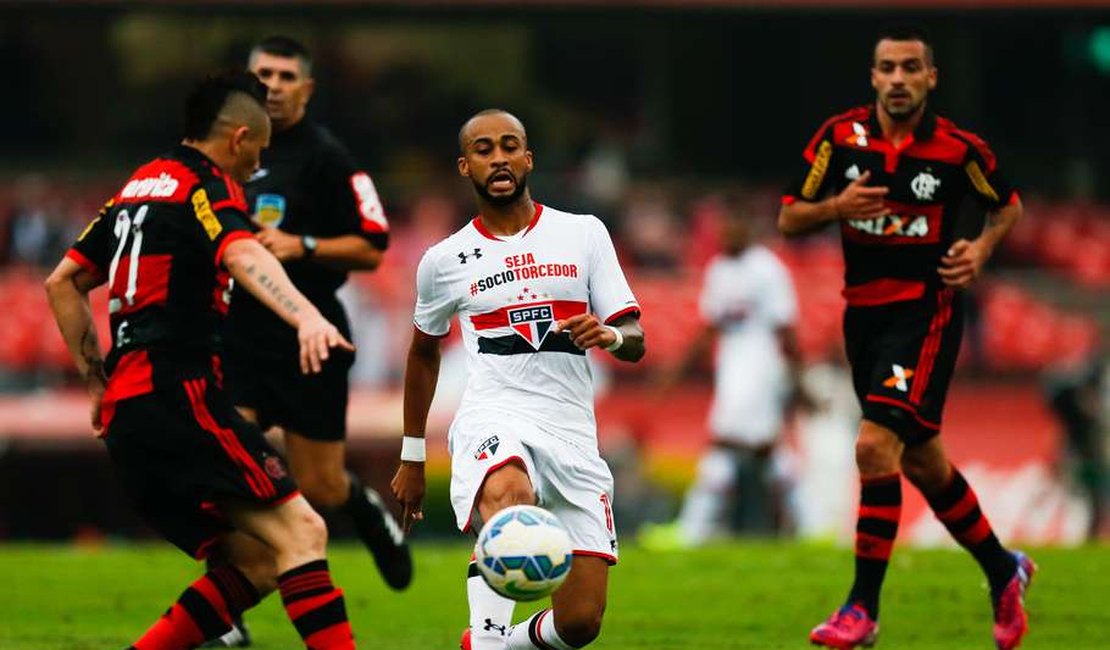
(743, 595)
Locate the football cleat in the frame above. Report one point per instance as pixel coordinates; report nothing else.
(387, 544)
(464, 642)
(1010, 620)
(848, 627)
(237, 637)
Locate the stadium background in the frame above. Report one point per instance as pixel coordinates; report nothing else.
(657, 116)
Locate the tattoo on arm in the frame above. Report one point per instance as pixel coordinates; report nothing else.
(90, 352)
(272, 287)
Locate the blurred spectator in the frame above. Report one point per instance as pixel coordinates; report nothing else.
(1078, 398)
(36, 231)
(652, 238)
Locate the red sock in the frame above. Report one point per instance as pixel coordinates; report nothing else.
(204, 611)
(316, 607)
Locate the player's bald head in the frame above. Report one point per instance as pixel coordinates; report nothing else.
(230, 100)
(495, 119)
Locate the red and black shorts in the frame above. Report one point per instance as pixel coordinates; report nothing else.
(182, 454)
(902, 357)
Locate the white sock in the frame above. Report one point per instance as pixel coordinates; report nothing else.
(706, 499)
(490, 613)
(538, 631)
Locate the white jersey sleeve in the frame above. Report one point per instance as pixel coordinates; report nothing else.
(434, 303)
(781, 303)
(610, 295)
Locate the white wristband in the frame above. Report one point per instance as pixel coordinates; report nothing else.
(413, 449)
(615, 345)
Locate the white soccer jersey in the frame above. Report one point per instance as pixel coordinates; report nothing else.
(748, 297)
(509, 292)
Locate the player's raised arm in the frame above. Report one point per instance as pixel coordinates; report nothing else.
(624, 337)
(857, 201)
(259, 272)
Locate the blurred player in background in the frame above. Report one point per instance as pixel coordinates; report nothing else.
(894, 174)
(534, 289)
(319, 214)
(166, 245)
(750, 310)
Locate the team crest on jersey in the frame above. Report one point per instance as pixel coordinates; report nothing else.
(269, 209)
(488, 448)
(532, 323)
(924, 185)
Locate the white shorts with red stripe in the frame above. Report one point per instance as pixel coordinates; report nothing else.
(571, 481)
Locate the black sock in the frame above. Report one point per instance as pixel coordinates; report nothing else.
(957, 507)
(880, 509)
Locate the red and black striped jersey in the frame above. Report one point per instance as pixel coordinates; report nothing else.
(930, 174)
(158, 244)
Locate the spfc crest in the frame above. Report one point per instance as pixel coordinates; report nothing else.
(532, 323)
(488, 448)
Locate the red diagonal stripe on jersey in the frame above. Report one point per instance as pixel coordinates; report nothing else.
(500, 317)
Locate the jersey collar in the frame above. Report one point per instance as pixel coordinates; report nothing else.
(481, 228)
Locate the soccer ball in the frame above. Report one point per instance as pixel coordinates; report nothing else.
(523, 552)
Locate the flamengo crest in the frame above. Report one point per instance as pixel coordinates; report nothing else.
(924, 185)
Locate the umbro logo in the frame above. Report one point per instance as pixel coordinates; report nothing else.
(463, 256)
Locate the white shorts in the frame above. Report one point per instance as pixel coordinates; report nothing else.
(572, 482)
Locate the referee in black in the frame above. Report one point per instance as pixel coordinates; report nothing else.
(320, 215)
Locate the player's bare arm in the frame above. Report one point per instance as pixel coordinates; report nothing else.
(345, 252)
(965, 259)
(699, 347)
(586, 331)
(421, 376)
(259, 272)
(857, 201)
(792, 352)
(68, 289)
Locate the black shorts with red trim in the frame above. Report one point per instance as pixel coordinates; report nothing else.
(902, 356)
(314, 406)
(183, 453)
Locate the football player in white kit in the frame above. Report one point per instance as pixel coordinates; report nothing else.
(749, 307)
(534, 288)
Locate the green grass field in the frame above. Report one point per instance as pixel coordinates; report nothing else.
(748, 595)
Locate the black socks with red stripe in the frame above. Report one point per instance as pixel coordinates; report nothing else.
(204, 611)
(316, 607)
(880, 509)
(957, 507)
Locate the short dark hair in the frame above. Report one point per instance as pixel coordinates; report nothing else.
(210, 96)
(285, 47)
(908, 32)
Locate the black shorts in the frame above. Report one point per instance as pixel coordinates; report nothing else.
(314, 406)
(902, 357)
(181, 454)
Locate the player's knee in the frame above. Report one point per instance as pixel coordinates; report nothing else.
(310, 533)
(580, 628)
(876, 452)
(924, 472)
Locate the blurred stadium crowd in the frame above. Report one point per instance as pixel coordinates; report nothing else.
(631, 121)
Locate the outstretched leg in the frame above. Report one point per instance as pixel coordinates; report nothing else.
(577, 608)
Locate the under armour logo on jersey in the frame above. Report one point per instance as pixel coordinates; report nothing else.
(852, 173)
(900, 379)
(490, 625)
(477, 254)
